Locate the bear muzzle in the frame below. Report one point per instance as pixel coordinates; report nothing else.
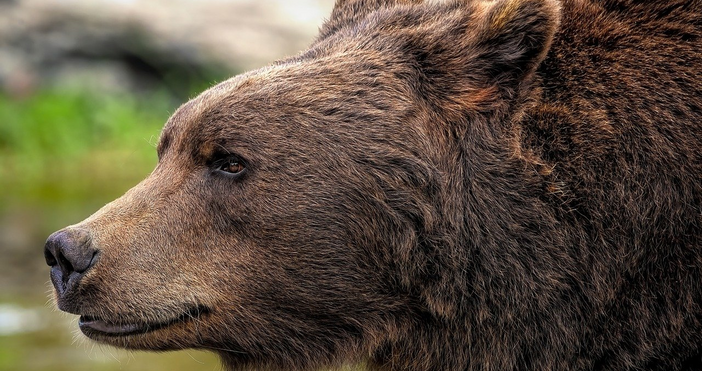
(72, 255)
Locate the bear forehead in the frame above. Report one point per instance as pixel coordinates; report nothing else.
(237, 102)
(363, 58)
(295, 92)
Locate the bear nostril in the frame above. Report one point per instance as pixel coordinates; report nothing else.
(65, 265)
(70, 254)
(49, 257)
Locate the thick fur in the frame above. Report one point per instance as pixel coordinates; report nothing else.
(450, 185)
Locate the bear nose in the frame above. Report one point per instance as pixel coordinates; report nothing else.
(70, 254)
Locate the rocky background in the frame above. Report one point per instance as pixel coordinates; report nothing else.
(130, 45)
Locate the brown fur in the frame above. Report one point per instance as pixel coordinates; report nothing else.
(457, 185)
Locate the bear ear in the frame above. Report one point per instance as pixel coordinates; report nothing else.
(512, 37)
(348, 12)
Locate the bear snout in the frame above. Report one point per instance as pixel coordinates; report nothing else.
(70, 254)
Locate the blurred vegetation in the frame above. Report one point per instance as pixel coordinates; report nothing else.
(72, 144)
(77, 140)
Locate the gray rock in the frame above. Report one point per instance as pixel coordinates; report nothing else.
(135, 45)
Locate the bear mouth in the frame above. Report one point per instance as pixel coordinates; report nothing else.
(95, 326)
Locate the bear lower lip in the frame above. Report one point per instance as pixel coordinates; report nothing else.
(96, 326)
(107, 328)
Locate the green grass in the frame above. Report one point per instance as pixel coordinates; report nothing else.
(67, 145)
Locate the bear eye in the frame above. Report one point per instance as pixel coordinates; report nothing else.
(232, 166)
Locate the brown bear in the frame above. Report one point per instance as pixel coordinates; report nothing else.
(438, 185)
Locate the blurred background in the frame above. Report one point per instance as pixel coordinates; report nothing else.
(85, 87)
